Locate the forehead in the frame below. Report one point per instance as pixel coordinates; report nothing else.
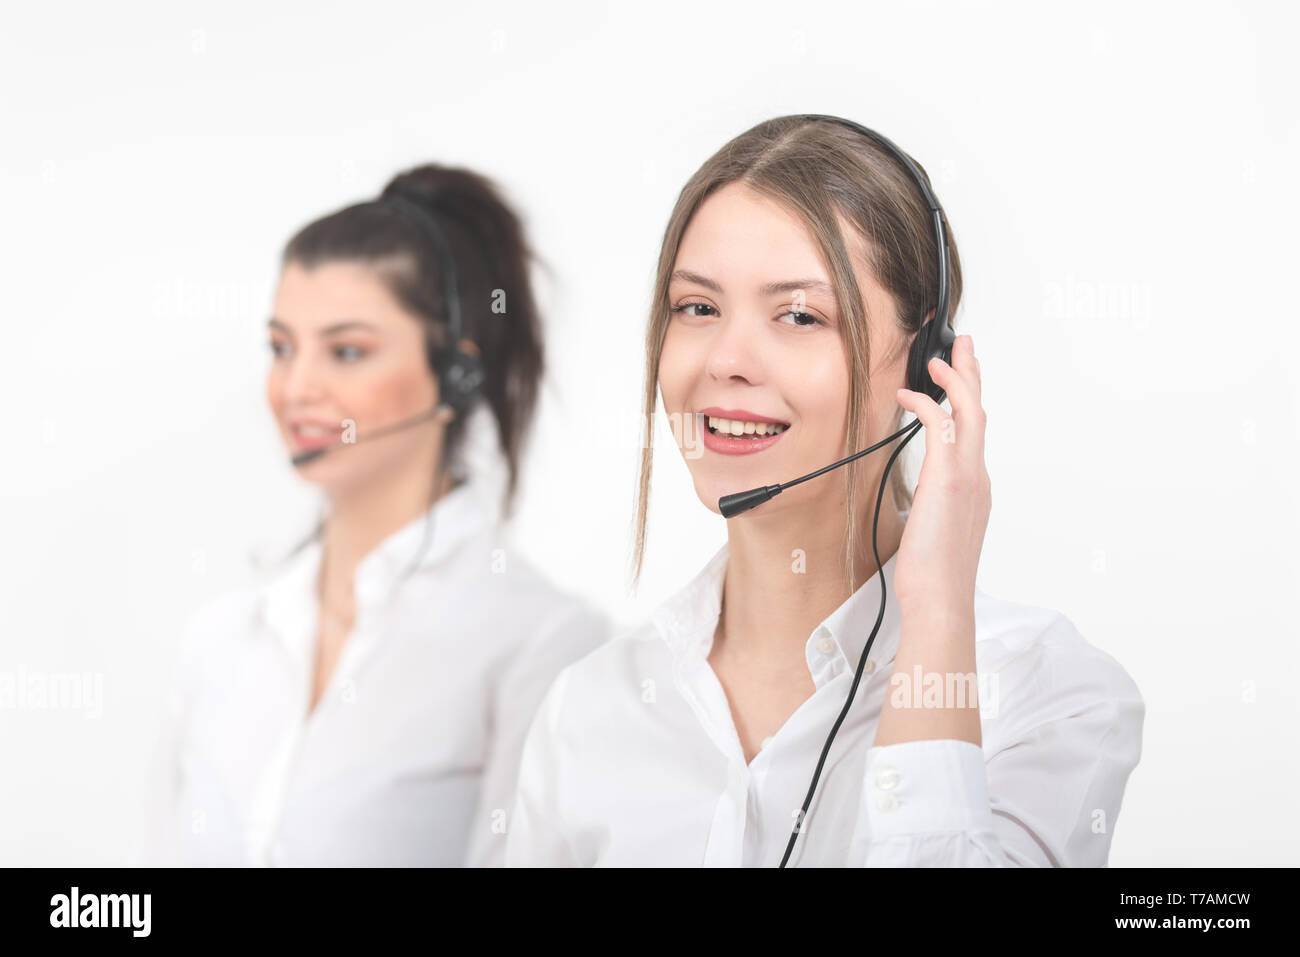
(332, 291)
(740, 236)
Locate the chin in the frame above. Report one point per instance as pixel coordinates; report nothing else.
(711, 504)
(328, 473)
(712, 491)
(318, 473)
(705, 493)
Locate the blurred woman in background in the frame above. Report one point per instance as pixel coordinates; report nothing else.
(367, 705)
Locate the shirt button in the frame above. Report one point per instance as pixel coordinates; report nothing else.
(887, 803)
(887, 779)
(826, 646)
(869, 667)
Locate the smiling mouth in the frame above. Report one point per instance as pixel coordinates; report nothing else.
(738, 429)
(312, 436)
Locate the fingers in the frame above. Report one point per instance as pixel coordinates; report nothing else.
(938, 424)
(961, 381)
(965, 363)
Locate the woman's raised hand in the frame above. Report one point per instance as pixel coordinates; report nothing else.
(939, 553)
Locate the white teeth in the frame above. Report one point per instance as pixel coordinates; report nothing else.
(313, 430)
(737, 427)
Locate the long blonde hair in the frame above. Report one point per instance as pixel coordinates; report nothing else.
(817, 169)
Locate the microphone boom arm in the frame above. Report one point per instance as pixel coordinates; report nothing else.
(738, 502)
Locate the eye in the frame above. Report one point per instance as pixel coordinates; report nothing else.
(693, 305)
(803, 319)
(279, 349)
(349, 353)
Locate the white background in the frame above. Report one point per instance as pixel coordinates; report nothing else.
(1120, 178)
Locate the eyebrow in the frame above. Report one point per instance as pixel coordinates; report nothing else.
(275, 323)
(770, 289)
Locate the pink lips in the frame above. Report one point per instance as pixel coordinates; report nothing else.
(744, 415)
(727, 445)
(307, 442)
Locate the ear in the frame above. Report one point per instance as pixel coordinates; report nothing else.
(445, 414)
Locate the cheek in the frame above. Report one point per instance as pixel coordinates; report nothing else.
(387, 394)
(675, 372)
(825, 412)
(275, 391)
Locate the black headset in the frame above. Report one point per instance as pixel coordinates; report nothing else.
(935, 338)
(460, 373)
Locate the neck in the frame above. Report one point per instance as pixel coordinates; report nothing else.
(786, 571)
(360, 519)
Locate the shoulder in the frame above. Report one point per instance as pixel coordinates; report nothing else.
(229, 613)
(519, 604)
(1044, 667)
(210, 632)
(234, 606)
(625, 667)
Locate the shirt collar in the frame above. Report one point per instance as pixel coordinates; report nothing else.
(289, 602)
(849, 626)
(448, 522)
(687, 620)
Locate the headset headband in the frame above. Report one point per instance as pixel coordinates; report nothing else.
(413, 206)
(939, 335)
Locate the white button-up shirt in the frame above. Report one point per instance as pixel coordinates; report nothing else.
(411, 754)
(634, 759)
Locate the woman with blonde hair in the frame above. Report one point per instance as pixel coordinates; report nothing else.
(831, 688)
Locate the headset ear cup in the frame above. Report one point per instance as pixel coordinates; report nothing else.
(472, 379)
(460, 381)
(929, 342)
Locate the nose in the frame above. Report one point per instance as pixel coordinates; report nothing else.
(734, 352)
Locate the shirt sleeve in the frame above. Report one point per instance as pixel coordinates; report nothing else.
(518, 694)
(537, 834)
(155, 844)
(1048, 796)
